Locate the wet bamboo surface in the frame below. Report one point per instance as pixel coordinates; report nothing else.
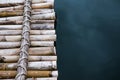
(41, 61)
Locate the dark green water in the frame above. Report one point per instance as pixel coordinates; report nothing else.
(88, 42)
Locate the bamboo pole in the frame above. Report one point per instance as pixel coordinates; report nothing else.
(42, 1)
(10, 27)
(15, 18)
(42, 26)
(34, 6)
(32, 32)
(20, 7)
(46, 26)
(53, 78)
(43, 5)
(47, 16)
(42, 11)
(32, 38)
(11, 59)
(10, 32)
(20, 22)
(10, 22)
(4, 3)
(42, 43)
(32, 51)
(7, 45)
(43, 65)
(11, 13)
(42, 21)
(12, 74)
(20, 12)
(42, 37)
(42, 32)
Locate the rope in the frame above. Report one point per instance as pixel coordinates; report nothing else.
(25, 43)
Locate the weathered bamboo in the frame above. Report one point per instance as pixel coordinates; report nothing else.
(20, 22)
(20, 12)
(43, 65)
(11, 13)
(32, 38)
(32, 32)
(42, 1)
(42, 32)
(15, 18)
(34, 6)
(47, 16)
(42, 21)
(42, 26)
(42, 43)
(20, 7)
(5, 3)
(12, 74)
(42, 37)
(46, 26)
(10, 27)
(10, 22)
(42, 11)
(10, 2)
(43, 5)
(7, 45)
(32, 51)
(39, 1)
(53, 78)
(11, 59)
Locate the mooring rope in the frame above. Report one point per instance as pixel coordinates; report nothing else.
(25, 43)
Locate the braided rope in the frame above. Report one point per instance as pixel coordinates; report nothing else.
(23, 60)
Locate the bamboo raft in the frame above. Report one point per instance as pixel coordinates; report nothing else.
(27, 37)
